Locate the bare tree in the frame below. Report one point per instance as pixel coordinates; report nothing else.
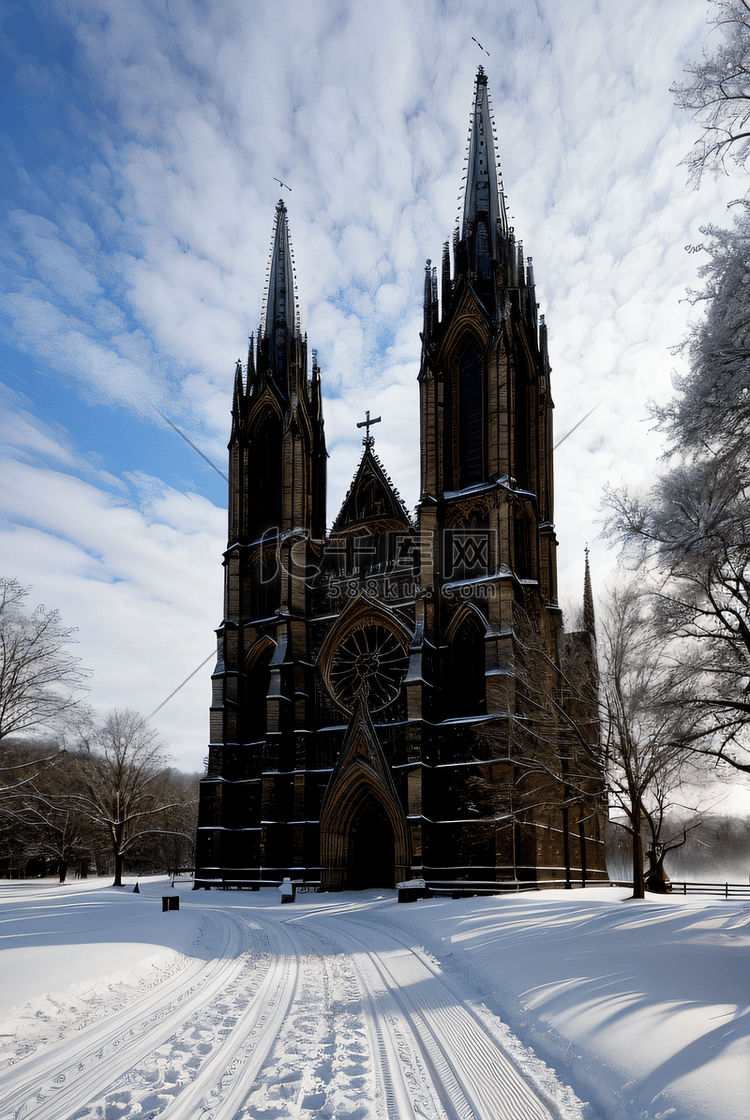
(56, 834)
(717, 91)
(41, 682)
(30, 825)
(62, 811)
(120, 783)
(644, 734)
(553, 767)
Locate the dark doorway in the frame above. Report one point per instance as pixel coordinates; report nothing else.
(371, 849)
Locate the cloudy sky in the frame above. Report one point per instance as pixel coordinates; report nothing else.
(141, 146)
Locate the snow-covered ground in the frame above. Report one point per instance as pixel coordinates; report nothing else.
(570, 1005)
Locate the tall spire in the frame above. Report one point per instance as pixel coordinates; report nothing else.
(280, 318)
(281, 290)
(484, 216)
(589, 621)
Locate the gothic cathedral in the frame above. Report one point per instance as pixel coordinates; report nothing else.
(395, 699)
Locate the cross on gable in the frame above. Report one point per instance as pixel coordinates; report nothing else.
(368, 441)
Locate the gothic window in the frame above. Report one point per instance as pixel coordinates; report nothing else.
(526, 854)
(483, 251)
(522, 468)
(370, 661)
(464, 690)
(264, 474)
(522, 548)
(470, 414)
(368, 501)
(257, 685)
(266, 576)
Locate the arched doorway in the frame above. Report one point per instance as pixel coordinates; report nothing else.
(371, 854)
(364, 834)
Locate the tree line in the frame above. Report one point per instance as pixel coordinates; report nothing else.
(76, 791)
(100, 807)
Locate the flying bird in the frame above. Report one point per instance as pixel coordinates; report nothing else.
(481, 47)
(281, 184)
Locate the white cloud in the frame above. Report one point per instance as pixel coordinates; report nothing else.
(143, 589)
(138, 252)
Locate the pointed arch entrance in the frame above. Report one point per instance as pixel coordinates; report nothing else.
(364, 835)
(371, 856)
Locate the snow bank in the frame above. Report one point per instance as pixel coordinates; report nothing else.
(642, 1006)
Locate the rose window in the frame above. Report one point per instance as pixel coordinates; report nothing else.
(370, 661)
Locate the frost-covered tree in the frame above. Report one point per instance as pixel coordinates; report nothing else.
(41, 681)
(717, 91)
(711, 413)
(693, 524)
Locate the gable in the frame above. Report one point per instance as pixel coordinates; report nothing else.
(371, 497)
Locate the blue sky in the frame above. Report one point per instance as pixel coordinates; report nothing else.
(141, 142)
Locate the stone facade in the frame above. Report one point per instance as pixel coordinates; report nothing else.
(396, 698)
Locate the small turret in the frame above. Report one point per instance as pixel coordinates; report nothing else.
(238, 398)
(446, 286)
(430, 300)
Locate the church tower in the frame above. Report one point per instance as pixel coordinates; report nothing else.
(277, 478)
(277, 450)
(485, 403)
(395, 699)
(489, 620)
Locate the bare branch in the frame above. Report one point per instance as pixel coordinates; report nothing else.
(717, 92)
(41, 682)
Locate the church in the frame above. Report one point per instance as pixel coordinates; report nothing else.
(395, 698)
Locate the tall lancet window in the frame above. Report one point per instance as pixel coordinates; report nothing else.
(470, 414)
(464, 691)
(522, 434)
(264, 475)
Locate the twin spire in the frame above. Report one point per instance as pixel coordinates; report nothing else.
(279, 355)
(484, 216)
(484, 237)
(483, 227)
(486, 255)
(281, 307)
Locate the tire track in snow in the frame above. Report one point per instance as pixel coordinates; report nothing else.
(413, 1080)
(224, 1079)
(435, 1056)
(321, 1061)
(57, 1084)
(328, 1013)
